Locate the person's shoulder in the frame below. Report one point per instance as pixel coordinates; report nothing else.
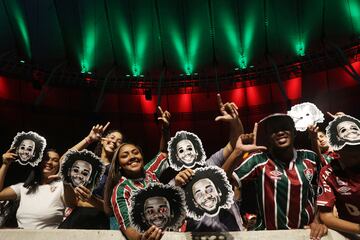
(306, 154)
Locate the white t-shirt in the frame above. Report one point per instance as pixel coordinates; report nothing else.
(41, 209)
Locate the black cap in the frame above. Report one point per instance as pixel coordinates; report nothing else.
(273, 123)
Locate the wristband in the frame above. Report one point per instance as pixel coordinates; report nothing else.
(87, 140)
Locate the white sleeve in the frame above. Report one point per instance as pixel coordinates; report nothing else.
(17, 189)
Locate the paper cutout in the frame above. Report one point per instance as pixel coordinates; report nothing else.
(343, 130)
(207, 192)
(304, 115)
(185, 151)
(82, 168)
(29, 146)
(159, 205)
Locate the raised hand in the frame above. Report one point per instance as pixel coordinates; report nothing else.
(184, 177)
(313, 130)
(247, 142)
(83, 193)
(338, 114)
(96, 132)
(164, 117)
(9, 156)
(153, 233)
(228, 111)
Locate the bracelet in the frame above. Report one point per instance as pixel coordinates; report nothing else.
(87, 140)
(5, 161)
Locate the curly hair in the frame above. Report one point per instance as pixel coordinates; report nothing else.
(219, 178)
(72, 156)
(175, 197)
(332, 133)
(172, 146)
(40, 144)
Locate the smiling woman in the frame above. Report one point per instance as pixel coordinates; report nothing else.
(41, 197)
(128, 174)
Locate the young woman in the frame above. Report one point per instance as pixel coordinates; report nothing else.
(127, 174)
(88, 210)
(41, 197)
(339, 183)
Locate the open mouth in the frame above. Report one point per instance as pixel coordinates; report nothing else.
(159, 222)
(282, 139)
(210, 202)
(134, 162)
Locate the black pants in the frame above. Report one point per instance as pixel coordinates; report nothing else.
(86, 218)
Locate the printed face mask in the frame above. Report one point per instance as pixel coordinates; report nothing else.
(80, 172)
(185, 151)
(304, 115)
(157, 211)
(26, 150)
(205, 194)
(343, 130)
(348, 131)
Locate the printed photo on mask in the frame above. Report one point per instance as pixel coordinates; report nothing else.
(185, 151)
(29, 147)
(160, 205)
(207, 192)
(82, 168)
(304, 115)
(343, 130)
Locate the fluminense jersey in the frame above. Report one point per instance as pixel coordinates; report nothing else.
(122, 192)
(328, 156)
(342, 190)
(285, 192)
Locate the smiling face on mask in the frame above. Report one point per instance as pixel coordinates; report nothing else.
(205, 194)
(80, 173)
(185, 152)
(157, 211)
(348, 131)
(26, 150)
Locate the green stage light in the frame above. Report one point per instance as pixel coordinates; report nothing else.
(20, 22)
(242, 61)
(188, 68)
(300, 49)
(135, 70)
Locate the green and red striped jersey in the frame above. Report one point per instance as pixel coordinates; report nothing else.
(122, 192)
(339, 188)
(285, 192)
(327, 157)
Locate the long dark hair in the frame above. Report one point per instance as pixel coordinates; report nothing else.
(98, 147)
(35, 176)
(114, 177)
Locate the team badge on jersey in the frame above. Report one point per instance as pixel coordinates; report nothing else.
(309, 173)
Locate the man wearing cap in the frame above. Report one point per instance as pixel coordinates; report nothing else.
(286, 178)
(339, 181)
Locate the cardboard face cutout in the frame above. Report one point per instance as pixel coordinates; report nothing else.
(29, 146)
(185, 151)
(207, 192)
(82, 168)
(304, 115)
(343, 130)
(159, 205)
